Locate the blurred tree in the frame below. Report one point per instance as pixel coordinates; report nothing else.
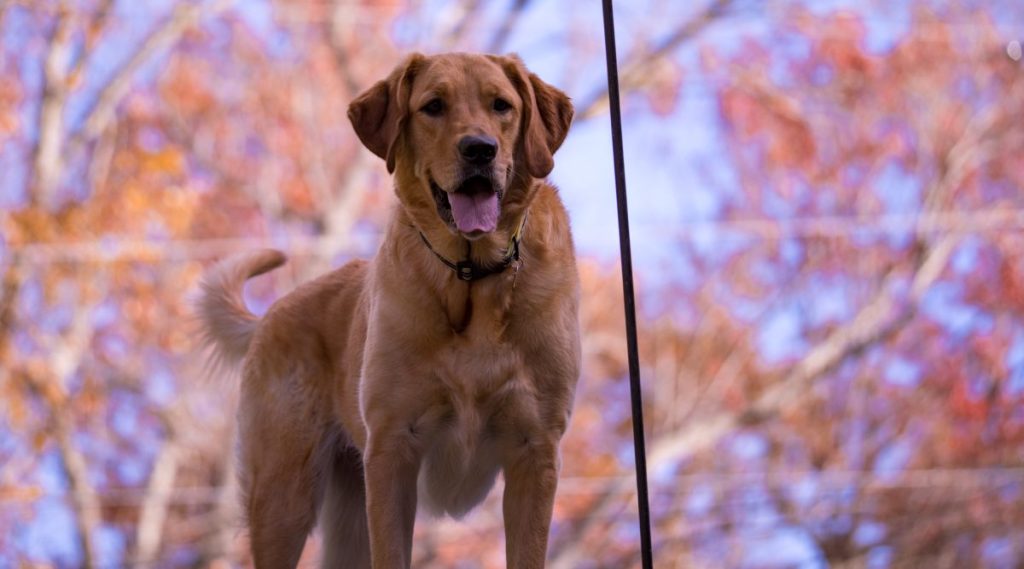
(887, 431)
(139, 141)
(841, 385)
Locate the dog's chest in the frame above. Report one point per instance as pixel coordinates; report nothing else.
(477, 383)
(477, 365)
(482, 389)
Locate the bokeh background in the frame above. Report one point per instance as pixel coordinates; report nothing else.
(827, 213)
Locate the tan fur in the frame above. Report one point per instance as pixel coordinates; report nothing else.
(390, 383)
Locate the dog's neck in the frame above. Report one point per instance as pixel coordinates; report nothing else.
(408, 231)
(489, 251)
(486, 251)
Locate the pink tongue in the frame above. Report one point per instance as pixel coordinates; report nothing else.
(476, 212)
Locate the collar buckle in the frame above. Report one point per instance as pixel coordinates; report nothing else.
(464, 270)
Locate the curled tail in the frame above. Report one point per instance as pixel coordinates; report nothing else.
(227, 325)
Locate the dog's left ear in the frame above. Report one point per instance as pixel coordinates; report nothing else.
(547, 114)
(378, 115)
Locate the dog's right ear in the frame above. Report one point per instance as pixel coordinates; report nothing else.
(378, 115)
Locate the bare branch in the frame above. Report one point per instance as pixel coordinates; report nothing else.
(637, 71)
(508, 23)
(93, 30)
(101, 110)
(66, 356)
(47, 159)
(156, 502)
(84, 499)
(879, 319)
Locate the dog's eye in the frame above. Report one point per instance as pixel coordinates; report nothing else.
(434, 107)
(501, 105)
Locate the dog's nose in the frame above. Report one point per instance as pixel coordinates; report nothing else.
(479, 150)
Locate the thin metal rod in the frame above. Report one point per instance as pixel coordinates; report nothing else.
(639, 447)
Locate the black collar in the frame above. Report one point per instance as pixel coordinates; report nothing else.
(467, 270)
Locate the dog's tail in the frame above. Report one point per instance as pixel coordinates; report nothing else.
(227, 325)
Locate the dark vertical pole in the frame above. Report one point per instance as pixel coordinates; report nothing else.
(639, 448)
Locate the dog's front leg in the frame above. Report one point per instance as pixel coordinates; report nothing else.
(530, 482)
(392, 465)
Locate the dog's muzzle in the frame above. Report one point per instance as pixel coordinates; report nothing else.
(473, 207)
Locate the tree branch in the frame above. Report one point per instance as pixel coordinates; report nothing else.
(637, 71)
(85, 502)
(93, 30)
(66, 357)
(880, 318)
(508, 23)
(47, 154)
(155, 504)
(101, 110)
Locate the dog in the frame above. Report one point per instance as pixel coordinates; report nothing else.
(412, 379)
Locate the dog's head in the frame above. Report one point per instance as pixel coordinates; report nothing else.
(464, 134)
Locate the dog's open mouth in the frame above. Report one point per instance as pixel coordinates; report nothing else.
(473, 207)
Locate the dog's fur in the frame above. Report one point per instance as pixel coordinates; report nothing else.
(391, 383)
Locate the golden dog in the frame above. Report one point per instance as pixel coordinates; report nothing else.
(415, 377)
